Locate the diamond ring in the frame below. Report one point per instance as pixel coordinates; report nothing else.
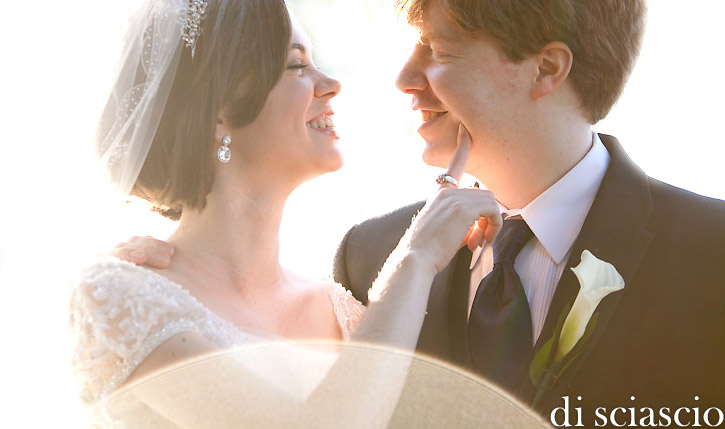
(446, 178)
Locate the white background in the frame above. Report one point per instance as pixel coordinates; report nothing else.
(56, 58)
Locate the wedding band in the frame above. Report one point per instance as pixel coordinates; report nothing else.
(446, 178)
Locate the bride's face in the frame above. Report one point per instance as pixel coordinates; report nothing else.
(294, 132)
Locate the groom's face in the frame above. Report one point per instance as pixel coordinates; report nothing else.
(455, 77)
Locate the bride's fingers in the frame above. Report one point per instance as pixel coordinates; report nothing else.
(488, 225)
(476, 237)
(446, 222)
(467, 238)
(494, 224)
(460, 156)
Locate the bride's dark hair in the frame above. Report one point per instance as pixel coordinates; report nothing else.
(239, 58)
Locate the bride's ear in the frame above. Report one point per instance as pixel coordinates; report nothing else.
(222, 128)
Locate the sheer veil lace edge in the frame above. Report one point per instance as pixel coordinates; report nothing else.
(134, 109)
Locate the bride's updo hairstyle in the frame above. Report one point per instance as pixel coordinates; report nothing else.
(239, 58)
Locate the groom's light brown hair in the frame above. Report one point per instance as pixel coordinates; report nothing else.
(604, 36)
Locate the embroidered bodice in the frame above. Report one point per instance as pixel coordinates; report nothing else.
(121, 312)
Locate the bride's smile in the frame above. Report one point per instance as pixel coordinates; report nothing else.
(230, 131)
(294, 135)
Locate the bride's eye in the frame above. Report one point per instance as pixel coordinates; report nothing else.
(298, 65)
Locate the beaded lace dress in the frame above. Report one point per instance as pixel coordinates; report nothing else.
(121, 312)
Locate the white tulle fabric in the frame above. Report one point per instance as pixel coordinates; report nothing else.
(133, 112)
(121, 312)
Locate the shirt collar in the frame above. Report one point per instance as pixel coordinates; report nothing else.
(556, 216)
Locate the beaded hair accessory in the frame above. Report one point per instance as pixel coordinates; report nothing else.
(192, 30)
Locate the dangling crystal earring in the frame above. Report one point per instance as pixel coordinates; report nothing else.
(224, 154)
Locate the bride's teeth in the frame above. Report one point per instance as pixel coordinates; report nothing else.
(321, 123)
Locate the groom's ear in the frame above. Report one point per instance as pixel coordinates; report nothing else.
(554, 63)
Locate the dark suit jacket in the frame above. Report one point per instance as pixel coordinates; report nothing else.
(661, 339)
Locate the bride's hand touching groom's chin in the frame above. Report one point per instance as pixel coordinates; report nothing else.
(454, 217)
(451, 219)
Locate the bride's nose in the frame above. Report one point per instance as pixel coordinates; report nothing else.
(327, 86)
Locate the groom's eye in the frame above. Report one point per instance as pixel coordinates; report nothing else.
(439, 54)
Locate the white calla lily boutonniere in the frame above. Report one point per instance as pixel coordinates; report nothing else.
(597, 279)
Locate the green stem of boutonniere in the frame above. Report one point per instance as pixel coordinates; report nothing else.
(545, 369)
(576, 323)
(546, 381)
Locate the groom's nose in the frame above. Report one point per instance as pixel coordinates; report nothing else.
(411, 77)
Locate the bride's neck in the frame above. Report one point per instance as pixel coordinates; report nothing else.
(234, 241)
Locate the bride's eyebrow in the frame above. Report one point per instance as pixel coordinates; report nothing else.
(302, 48)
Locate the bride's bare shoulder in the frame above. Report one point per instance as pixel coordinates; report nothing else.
(321, 289)
(332, 298)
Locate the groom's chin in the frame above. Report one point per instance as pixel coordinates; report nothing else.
(437, 154)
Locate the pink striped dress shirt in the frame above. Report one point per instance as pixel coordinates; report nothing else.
(556, 216)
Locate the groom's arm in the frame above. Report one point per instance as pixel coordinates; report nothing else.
(339, 269)
(364, 249)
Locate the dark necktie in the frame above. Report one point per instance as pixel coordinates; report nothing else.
(499, 328)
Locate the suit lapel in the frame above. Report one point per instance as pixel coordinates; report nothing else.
(614, 231)
(445, 321)
(458, 307)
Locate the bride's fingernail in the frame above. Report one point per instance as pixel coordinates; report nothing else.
(136, 254)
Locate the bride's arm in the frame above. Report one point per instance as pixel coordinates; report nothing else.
(361, 387)
(399, 295)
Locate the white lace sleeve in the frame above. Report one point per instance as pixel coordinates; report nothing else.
(119, 314)
(349, 311)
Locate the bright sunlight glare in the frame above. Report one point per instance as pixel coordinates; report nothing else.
(57, 63)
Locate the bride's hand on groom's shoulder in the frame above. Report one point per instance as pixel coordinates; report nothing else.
(144, 251)
(454, 217)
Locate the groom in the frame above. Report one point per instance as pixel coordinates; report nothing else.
(528, 80)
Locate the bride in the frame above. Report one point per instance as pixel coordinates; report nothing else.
(217, 115)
